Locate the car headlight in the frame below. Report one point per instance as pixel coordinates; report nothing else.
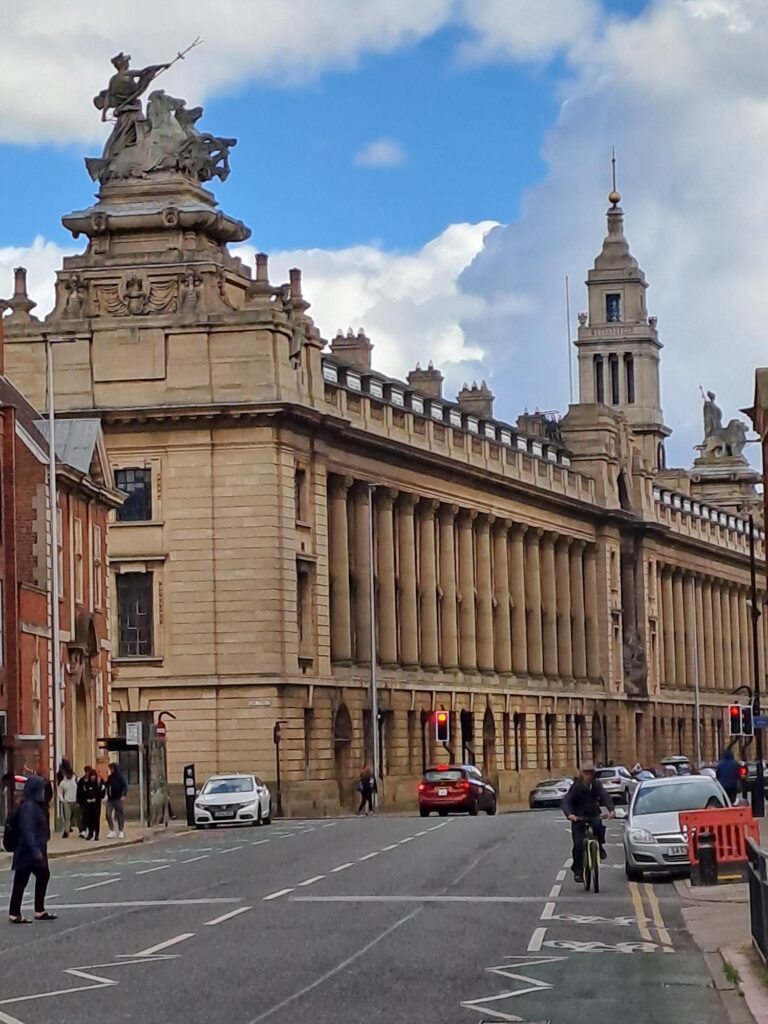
(641, 835)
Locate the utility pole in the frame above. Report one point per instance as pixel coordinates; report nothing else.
(372, 599)
(54, 564)
(758, 791)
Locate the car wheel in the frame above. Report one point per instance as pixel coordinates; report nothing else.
(443, 814)
(258, 820)
(423, 812)
(491, 808)
(199, 827)
(633, 875)
(267, 819)
(473, 810)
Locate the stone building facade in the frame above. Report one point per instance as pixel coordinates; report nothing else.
(548, 582)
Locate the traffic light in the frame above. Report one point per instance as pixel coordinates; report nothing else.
(747, 725)
(734, 719)
(442, 727)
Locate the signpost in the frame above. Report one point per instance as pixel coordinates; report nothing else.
(276, 737)
(190, 791)
(760, 721)
(134, 738)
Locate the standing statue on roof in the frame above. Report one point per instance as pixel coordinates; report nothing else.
(719, 441)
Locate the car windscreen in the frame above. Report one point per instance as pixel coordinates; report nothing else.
(215, 787)
(447, 776)
(693, 795)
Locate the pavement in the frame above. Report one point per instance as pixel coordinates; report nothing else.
(383, 919)
(74, 846)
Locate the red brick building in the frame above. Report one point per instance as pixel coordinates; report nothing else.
(85, 496)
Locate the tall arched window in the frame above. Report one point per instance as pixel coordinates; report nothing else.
(597, 367)
(629, 376)
(613, 364)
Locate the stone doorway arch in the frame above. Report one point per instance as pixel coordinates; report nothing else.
(342, 748)
(489, 742)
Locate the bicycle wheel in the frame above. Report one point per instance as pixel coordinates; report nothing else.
(596, 874)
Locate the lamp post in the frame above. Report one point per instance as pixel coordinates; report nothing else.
(53, 506)
(372, 598)
(758, 792)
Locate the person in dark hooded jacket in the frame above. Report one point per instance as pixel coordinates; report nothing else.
(31, 854)
(727, 774)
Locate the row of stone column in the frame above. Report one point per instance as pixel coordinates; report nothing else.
(458, 590)
(705, 629)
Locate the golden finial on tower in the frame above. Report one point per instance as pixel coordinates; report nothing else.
(615, 197)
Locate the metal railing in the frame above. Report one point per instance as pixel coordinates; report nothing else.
(758, 897)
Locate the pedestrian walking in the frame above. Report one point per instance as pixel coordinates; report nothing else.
(93, 791)
(68, 799)
(727, 774)
(116, 789)
(81, 782)
(365, 788)
(30, 853)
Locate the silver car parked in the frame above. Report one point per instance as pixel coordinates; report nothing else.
(549, 793)
(617, 783)
(653, 838)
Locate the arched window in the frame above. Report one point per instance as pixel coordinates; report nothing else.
(629, 376)
(613, 308)
(597, 366)
(613, 364)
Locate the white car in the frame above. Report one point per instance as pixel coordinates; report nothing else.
(549, 793)
(617, 783)
(235, 799)
(654, 841)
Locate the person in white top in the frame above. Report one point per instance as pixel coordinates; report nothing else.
(68, 798)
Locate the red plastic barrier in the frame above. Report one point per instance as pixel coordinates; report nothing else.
(730, 827)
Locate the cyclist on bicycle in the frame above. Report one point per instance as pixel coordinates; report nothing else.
(581, 806)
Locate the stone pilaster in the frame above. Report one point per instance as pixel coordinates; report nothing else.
(718, 658)
(430, 655)
(467, 625)
(746, 638)
(533, 602)
(701, 657)
(385, 566)
(689, 612)
(407, 584)
(563, 586)
(549, 604)
(502, 626)
(726, 680)
(449, 633)
(591, 611)
(338, 529)
(578, 631)
(362, 576)
(709, 637)
(668, 612)
(485, 653)
(736, 643)
(517, 586)
(679, 616)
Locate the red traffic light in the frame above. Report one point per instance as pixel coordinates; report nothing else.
(442, 727)
(734, 719)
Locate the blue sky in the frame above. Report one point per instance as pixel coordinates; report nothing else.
(498, 118)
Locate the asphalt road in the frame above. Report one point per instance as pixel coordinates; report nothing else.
(394, 919)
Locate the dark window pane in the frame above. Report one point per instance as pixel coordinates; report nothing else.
(629, 366)
(137, 484)
(613, 362)
(613, 308)
(599, 380)
(135, 616)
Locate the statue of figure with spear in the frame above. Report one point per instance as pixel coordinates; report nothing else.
(123, 97)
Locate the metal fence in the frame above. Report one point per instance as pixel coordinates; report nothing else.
(758, 897)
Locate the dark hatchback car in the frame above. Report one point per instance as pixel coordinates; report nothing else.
(455, 789)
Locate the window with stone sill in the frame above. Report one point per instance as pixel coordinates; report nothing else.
(97, 563)
(136, 482)
(135, 615)
(301, 494)
(79, 565)
(304, 609)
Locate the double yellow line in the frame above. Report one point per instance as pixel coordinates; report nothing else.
(654, 919)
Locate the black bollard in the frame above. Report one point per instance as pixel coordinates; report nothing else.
(707, 858)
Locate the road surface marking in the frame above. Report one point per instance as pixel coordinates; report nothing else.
(203, 856)
(335, 970)
(231, 849)
(311, 881)
(342, 867)
(310, 829)
(555, 891)
(417, 899)
(226, 917)
(392, 846)
(422, 833)
(658, 920)
(408, 839)
(259, 842)
(560, 876)
(151, 950)
(148, 871)
(95, 885)
(329, 824)
(286, 835)
(602, 947)
(369, 856)
(537, 939)
(147, 903)
(642, 920)
(547, 912)
(6, 1018)
(278, 894)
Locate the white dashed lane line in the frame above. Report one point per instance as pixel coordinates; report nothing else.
(191, 860)
(231, 849)
(342, 867)
(277, 895)
(147, 871)
(151, 950)
(259, 842)
(226, 917)
(369, 856)
(392, 846)
(537, 940)
(95, 885)
(311, 881)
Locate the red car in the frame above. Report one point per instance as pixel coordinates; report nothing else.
(456, 789)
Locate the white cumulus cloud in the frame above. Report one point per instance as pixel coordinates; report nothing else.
(382, 152)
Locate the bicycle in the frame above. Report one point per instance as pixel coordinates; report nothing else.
(591, 862)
